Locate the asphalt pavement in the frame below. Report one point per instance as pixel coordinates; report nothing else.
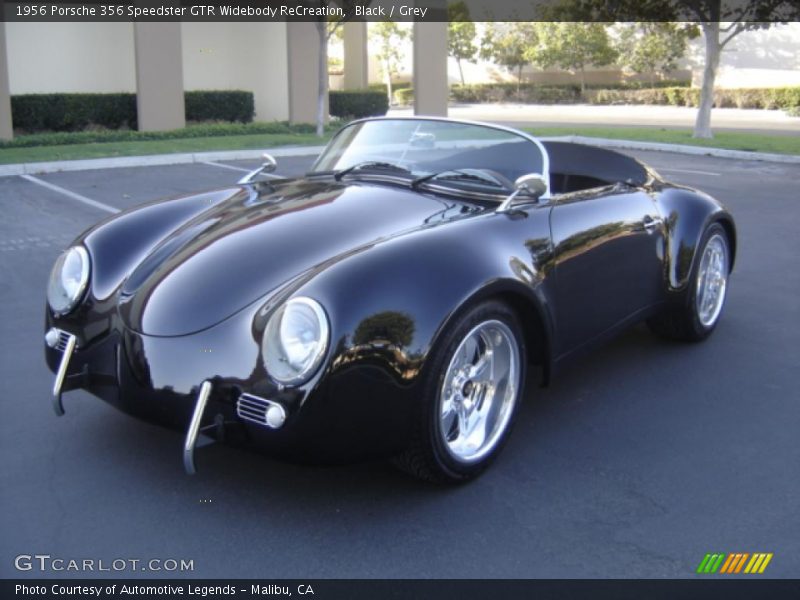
(635, 462)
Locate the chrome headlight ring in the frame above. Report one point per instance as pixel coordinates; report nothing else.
(68, 280)
(295, 341)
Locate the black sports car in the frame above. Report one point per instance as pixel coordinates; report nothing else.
(390, 301)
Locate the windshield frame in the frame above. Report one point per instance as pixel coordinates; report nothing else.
(510, 130)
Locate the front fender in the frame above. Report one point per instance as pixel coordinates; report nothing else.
(687, 214)
(389, 303)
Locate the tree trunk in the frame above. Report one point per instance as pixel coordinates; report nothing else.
(583, 82)
(519, 83)
(322, 93)
(388, 71)
(702, 125)
(460, 70)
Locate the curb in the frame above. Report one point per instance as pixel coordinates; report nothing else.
(201, 157)
(681, 149)
(150, 161)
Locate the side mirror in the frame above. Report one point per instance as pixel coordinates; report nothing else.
(532, 185)
(268, 166)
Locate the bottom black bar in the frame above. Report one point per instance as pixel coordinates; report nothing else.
(402, 589)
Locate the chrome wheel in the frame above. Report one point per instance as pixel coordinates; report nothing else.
(712, 279)
(479, 391)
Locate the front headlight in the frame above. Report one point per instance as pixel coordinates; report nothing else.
(68, 280)
(295, 341)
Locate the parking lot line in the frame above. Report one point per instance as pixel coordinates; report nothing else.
(70, 194)
(242, 169)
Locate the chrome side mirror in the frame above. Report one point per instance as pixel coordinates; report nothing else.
(531, 185)
(268, 166)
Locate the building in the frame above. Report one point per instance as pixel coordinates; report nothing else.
(278, 62)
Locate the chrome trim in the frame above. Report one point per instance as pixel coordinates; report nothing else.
(268, 166)
(194, 427)
(68, 348)
(324, 341)
(260, 411)
(86, 269)
(545, 155)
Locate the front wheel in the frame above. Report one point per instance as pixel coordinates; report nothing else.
(471, 396)
(697, 318)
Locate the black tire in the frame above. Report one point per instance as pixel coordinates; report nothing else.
(683, 322)
(427, 457)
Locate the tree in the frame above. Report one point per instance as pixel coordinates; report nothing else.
(390, 37)
(653, 48)
(510, 45)
(738, 15)
(328, 27)
(460, 35)
(574, 46)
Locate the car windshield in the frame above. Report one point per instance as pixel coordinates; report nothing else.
(468, 156)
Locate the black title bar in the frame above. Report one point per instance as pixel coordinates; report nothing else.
(403, 10)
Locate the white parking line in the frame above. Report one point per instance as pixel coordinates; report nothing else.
(688, 171)
(72, 195)
(232, 168)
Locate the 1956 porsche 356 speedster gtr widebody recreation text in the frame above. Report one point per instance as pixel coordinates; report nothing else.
(388, 302)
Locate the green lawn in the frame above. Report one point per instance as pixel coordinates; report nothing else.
(780, 144)
(136, 148)
(753, 142)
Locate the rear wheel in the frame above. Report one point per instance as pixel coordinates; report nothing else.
(697, 318)
(471, 396)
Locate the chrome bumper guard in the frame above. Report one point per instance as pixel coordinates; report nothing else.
(66, 343)
(194, 427)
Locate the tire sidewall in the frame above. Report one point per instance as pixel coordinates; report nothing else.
(453, 469)
(702, 331)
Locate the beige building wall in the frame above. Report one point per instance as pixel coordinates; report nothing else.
(70, 57)
(761, 58)
(239, 56)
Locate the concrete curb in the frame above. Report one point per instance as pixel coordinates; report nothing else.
(202, 157)
(682, 149)
(151, 161)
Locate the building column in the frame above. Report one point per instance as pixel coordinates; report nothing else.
(431, 89)
(6, 126)
(159, 76)
(302, 42)
(356, 66)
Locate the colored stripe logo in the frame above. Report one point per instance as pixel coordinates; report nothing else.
(735, 562)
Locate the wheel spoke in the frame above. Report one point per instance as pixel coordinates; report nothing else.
(479, 391)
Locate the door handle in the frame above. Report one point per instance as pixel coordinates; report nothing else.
(651, 223)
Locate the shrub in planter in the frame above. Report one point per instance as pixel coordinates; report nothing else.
(357, 103)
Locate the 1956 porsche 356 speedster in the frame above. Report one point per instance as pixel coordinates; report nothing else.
(388, 302)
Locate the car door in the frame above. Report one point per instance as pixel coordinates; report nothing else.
(608, 250)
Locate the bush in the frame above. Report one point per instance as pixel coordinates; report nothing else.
(72, 112)
(192, 131)
(229, 105)
(358, 103)
(507, 92)
(76, 112)
(404, 96)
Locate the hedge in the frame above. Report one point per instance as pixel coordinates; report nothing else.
(404, 96)
(192, 131)
(764, 98)
(358, 103)
(229, 105)
(76, 112)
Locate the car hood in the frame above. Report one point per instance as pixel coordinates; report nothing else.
(249, 244)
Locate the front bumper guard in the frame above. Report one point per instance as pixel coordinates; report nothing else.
(255, 409)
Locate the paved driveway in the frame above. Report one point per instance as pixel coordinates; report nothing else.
(634, 463)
